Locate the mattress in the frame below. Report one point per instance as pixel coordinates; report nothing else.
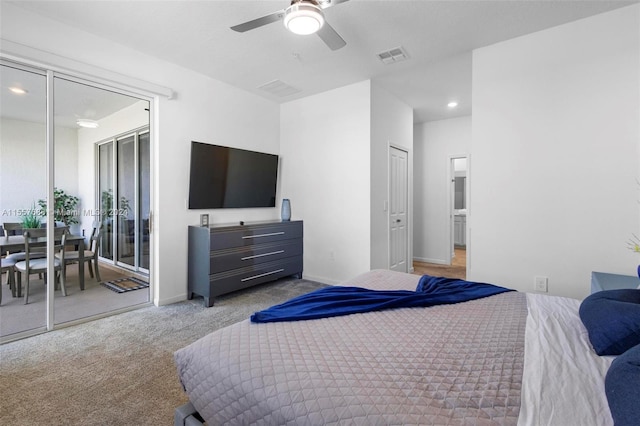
(451, 364)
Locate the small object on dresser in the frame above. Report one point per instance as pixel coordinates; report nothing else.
(285, 212)
(204, 220)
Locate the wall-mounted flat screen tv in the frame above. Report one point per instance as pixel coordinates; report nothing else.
(223, 177)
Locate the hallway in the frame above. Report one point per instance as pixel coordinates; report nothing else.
(457, 269)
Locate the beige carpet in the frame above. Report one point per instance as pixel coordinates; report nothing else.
(118, 370)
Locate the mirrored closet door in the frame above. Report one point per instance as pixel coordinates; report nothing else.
(74, 155)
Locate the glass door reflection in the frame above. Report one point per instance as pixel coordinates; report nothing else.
(126, 205)
(88, 123)
(132, 203)
(105, 192)
(144, 200)
(23, 181)
(95, 159)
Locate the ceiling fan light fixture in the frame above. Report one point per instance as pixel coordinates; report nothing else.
(303, 18)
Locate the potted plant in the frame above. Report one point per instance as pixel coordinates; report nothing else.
(64, 207)
(31, 219)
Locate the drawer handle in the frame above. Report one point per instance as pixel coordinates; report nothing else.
(261, 275)
(263, 235)
(262, 255)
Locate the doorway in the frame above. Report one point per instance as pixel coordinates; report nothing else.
(398, 207)
(459, 195)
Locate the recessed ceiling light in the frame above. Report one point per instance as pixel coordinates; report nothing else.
(18, 90)
(89, 124)
(452, 104)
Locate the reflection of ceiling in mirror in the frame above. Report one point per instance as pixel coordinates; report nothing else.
(72, 100)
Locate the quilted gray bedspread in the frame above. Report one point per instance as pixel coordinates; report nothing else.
(446, 365)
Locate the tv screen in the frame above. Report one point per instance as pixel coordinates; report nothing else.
(223, 177)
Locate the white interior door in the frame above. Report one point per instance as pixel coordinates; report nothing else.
(398, 205)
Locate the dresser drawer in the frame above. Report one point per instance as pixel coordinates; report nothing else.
(229, 281)
(225, 260)
(242, 236)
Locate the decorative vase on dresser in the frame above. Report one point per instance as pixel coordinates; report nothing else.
(285, 212)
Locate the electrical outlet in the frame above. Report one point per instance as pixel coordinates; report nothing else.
(541, 284)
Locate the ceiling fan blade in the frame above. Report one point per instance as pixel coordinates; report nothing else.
(331, 37)
(255, 23)
(328, 3)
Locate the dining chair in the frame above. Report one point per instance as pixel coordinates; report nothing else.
(8, 267)
(11, 257)
(15, 228)
(12, 228)
(90, 256)
(39, 266)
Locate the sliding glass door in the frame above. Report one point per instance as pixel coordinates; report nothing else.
(144, 201)
(124, 167)
(105, 197)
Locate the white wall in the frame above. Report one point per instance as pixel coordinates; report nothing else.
(391, 125)
(325, 162)
(203, 109)
(207, 111)
(554, 166)
(334, 149)
(434, 144)
(23, 161)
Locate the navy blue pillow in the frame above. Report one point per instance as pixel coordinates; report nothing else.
(622, 386)
(612, 318)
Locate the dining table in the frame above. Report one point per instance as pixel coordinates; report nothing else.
(17, 242)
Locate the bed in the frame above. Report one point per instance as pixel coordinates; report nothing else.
(509, 359)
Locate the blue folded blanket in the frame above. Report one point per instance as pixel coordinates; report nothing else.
(336, 301)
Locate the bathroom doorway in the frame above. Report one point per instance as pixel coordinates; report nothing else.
(459, 212)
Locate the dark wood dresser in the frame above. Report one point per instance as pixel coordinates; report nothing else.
(226, 258)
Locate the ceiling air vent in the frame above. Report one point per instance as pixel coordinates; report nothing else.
(279, 88)
(394, 55)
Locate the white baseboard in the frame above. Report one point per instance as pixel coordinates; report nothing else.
(170, 300)
(322, 280)
(428, 260)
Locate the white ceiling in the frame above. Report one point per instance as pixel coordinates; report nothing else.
(437, 35)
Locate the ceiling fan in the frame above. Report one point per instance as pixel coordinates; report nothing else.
(301, 17)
